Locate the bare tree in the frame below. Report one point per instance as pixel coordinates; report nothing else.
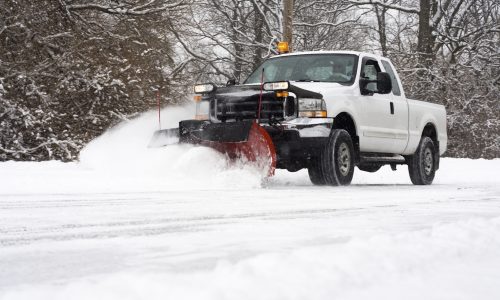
(288, 22)
(73, 68)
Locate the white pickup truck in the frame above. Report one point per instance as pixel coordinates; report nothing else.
(326, 111)
(365, 102)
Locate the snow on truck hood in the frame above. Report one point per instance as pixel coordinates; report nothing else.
(322, 87)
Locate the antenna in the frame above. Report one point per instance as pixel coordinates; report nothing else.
(260, 97)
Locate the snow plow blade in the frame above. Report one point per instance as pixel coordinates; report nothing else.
(164, 137)
(245, 140)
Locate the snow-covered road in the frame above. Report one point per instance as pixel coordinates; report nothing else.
(182, 223)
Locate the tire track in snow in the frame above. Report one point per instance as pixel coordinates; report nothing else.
(19, 235)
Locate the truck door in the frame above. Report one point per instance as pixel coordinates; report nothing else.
(379, 132)
(400, 110)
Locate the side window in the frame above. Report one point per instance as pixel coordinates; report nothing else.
(395, 86)
(369, 71)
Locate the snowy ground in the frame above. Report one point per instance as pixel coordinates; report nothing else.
(183, 223)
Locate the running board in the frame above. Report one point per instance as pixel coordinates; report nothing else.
(396, 159)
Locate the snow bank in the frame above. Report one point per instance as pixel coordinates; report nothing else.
(448, 261)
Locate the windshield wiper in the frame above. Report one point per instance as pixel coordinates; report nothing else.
(306, 80)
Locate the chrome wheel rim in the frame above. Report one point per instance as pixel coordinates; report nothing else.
(344, 159)
(428, 161)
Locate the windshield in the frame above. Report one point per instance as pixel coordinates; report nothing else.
(339, 68)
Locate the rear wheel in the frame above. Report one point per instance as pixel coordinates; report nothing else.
(422, 164)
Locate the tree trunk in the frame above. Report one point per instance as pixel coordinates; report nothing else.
(238, 49)
(288, 22)
(259, 37)
(381, 29)
(425, 39)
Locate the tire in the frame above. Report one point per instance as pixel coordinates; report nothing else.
(337, 158)
(315, 173)
(422, 164)
(369, 168)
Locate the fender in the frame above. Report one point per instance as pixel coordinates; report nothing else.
(342, 104)
(415, 132)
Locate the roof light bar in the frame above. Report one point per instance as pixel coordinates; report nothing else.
(204, 88)
(283, 47)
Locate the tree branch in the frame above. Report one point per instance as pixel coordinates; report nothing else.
(411, 10)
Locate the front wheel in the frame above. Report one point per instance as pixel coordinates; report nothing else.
(422, 164)
(337, 158)
(315, 172)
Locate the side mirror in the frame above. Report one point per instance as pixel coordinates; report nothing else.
(363, 84)
(384, 83)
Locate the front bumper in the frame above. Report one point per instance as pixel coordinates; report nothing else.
(308, 121)
(294, 151)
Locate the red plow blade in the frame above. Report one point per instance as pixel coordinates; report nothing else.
(257, 148)
(238, 140)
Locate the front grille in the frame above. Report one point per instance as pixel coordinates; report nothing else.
(246, 109)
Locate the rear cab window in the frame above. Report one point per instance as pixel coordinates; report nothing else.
(395, 84)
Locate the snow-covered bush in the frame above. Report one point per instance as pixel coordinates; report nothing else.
(69, 71)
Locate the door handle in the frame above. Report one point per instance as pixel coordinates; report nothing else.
(392, 108)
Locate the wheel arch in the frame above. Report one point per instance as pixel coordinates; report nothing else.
(430, 130)
(344, 120)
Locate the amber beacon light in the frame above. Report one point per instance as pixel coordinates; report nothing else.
(283, 47)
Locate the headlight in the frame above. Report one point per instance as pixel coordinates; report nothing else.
(276, 86)
(204, 88)
(312, 108)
